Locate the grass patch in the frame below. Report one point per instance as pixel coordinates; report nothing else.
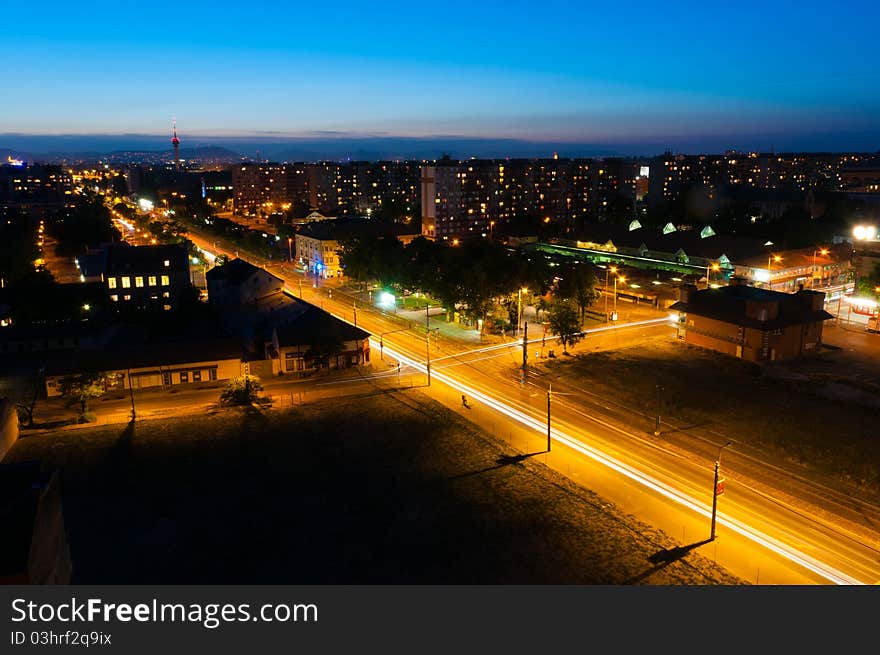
(389, 489)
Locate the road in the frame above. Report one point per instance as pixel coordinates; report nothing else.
(768, 530)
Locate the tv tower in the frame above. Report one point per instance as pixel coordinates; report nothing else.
(176, 143)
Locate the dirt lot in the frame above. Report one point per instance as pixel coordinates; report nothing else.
(819, 413)
(379, 489)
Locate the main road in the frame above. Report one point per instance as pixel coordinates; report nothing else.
(772, 527)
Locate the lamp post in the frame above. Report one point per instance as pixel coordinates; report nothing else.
(549, 391)
(613, 269)
(821, 251)
(715, 493)
(659, 409)
(519, 308)
(289, 249)
(714, 267)
(622, 280)
(774, 258)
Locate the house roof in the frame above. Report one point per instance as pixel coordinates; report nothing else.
(121, 355)
(315, 325)
(233, 272)
(123, 258)
(729, 304)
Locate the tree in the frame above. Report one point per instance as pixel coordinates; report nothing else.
(27, 400)
(243, 390)
(82, 387)
(578, 282)
(564, 323)
(869, 284)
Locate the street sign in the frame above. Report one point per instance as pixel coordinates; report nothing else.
(719, 488)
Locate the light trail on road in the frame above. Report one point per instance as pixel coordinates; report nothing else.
(766, 541)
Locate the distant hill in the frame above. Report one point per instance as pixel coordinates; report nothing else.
(209, 152)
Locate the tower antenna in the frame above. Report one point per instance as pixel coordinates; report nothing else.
(176, 143)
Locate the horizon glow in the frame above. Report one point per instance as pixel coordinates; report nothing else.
(796, 75)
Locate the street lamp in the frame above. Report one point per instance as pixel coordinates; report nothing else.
(613, 269)
(622, 280)
(519, 308)
(714, 267)
(289, 250)
(821, 251)
(715, 491)
(775, 258)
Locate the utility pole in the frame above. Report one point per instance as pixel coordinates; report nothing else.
(525, 354)
(715, 492)
(549, 387)
(131, 394)
(355, 309)
(659, 408)
(427, 319)
(428, 356)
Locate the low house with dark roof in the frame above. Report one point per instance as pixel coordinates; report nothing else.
(750, 323)
(316, 340)
(239, 283)
(158, 364)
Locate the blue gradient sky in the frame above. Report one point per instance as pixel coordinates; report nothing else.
(752, 74)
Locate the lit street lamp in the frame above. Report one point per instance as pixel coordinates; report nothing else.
(714, 267)
(289, 250)
(775, 258)
(715, 488)
(622, 280)
(823, 252)
(519, 308)
(613, 269)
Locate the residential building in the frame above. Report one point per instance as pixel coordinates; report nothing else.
(141, 277)
(753, 324)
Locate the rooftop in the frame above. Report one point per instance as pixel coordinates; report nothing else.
(730, 304)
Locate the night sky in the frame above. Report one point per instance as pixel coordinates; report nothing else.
(687, 75)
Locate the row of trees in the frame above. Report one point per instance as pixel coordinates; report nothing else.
(480, 279)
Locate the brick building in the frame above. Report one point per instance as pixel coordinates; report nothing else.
(750, 323)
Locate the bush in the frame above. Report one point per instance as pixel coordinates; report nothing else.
(243, 390)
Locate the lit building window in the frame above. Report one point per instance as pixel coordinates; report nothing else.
(165, 281)
(111, 283)
(151, 280)
(126, 282)
(126, 297)
(114, 298)
(139, 281)
(167, 263)
(166, 294)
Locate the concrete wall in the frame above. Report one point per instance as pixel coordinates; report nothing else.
(8, 426)
(49, 561)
